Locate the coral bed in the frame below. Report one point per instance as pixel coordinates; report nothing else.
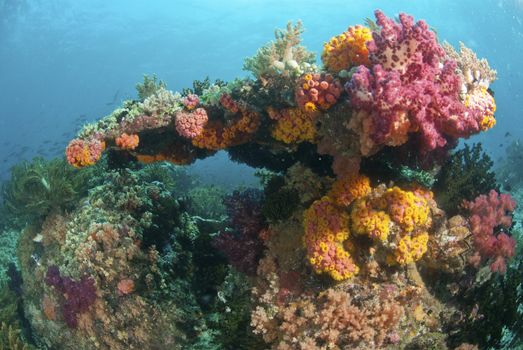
(336, 252)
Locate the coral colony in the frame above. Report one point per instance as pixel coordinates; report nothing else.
(349, 256)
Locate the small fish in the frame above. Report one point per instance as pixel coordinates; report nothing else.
(500, 145)
(35, 257)
(507, 134)
(114, 98)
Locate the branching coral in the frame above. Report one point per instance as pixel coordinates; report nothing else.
(344, 317)
(10, 338)
(465, 175)
(149, 87)
(284, 57)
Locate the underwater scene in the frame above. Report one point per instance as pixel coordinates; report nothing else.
(252, 174)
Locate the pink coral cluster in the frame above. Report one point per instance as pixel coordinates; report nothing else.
(317, 91)
(190, 125)
(229, 104)
(488, 213)
(144, 122)
(410, 87)
(191, 101)
(81, 153)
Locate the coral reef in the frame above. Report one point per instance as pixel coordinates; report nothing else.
(370, 233)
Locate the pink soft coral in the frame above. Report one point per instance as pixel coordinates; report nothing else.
(410, 87)
(489, 213)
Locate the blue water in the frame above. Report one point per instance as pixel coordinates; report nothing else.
(67, 62)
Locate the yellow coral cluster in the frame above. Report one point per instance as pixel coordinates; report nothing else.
(396, 218)
(347, 49)
(406, 208)
(215, 136)
(326, 230)
(295, 125)
(348, 188)
(366, 220)
(411, 249)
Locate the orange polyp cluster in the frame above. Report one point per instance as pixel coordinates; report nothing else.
(215, 136)
(406, 208)
(368, 221)
(326, 230)
(348, 188)
(294, 126)
(128, 142)
(160, 157)
(81, 153)
(411, 249)
(317, 91)
(347, 50)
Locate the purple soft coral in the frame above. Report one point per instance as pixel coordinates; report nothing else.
(79, 295)
(242, 245)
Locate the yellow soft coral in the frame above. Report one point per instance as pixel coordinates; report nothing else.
(347, 50)
(348, 188)
(295, 125)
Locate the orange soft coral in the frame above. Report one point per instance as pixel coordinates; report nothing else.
(216, 136)
(128, 142)
(347, 50)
